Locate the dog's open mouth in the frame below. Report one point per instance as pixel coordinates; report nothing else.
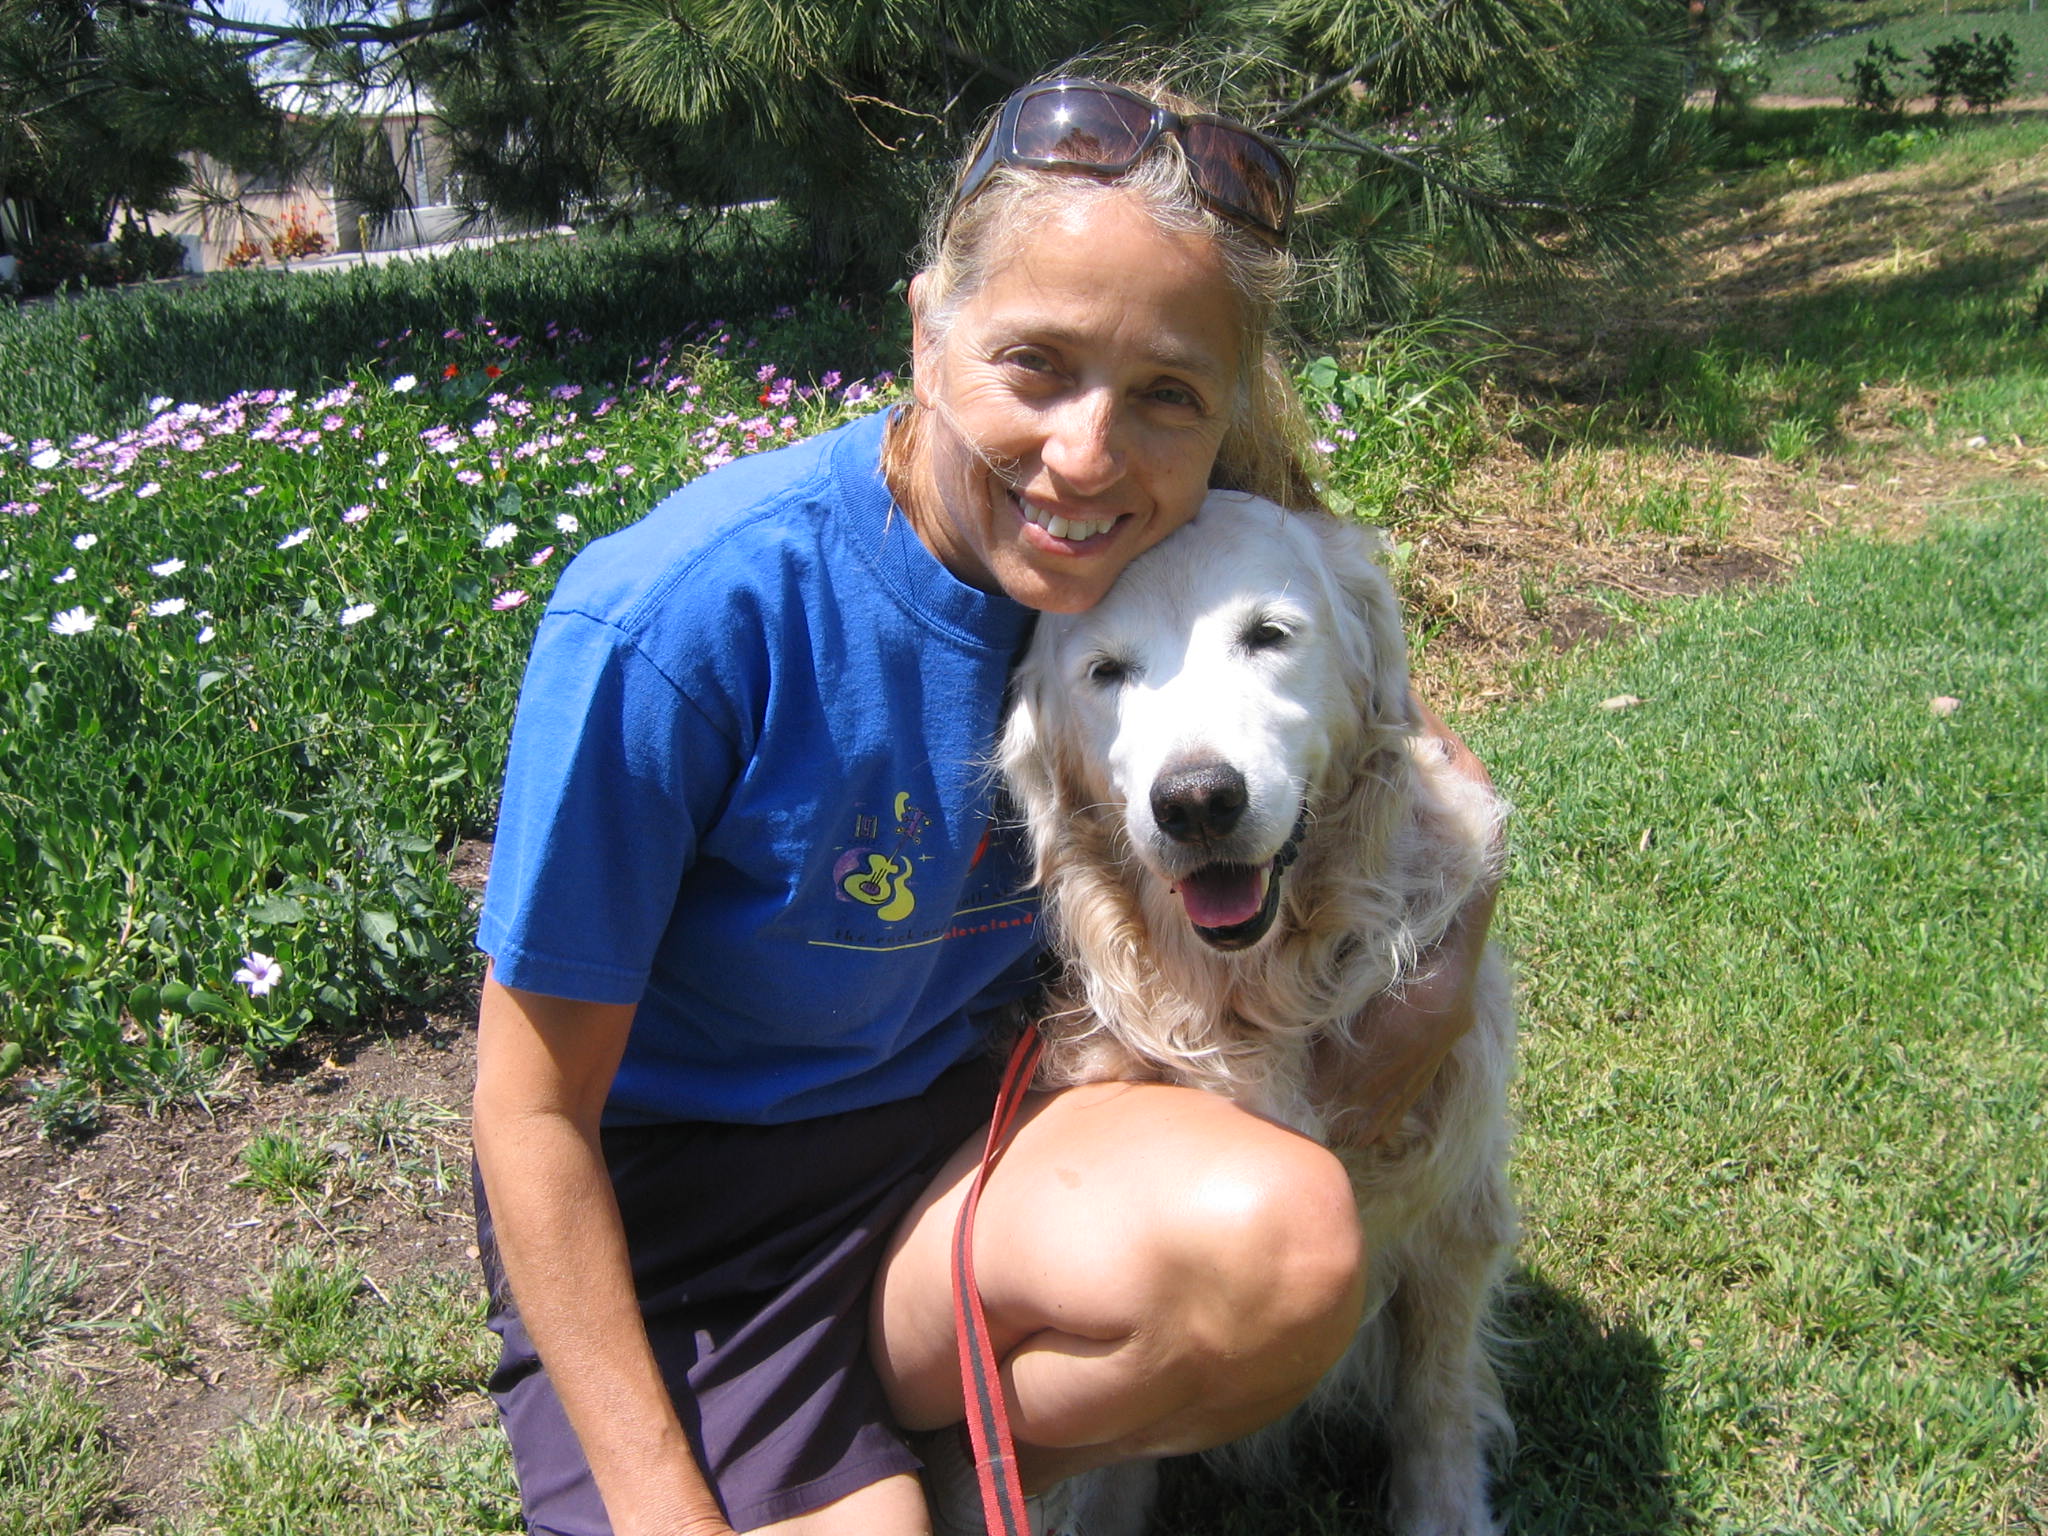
(1231, 905)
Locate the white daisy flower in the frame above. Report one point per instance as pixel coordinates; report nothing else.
(73, 621)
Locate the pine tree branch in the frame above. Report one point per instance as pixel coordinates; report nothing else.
(394, 34)
(1343, 78)
(953, 49)
(1349, 144)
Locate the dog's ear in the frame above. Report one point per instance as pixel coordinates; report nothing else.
(1369, 620)
(1024, 757)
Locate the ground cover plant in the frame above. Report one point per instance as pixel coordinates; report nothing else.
(1772, 1188)
(91, 364)
(258, 669)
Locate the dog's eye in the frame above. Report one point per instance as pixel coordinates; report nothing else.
(1108, 671)
(1263, 636)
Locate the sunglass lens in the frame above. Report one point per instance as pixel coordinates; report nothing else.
(1241, 173)
(1097, 130)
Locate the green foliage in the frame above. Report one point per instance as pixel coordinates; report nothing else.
(587, 307)
(57, 1470)
(1980, 73)
(425, 1346)
(258, 662)
(1876, 81)
(36, 1294)
(1400, 419)
(66, 1110)
(413, 1348)
(164, 1334)
(98, 101)
(284, 1166)
(1815, 63)
(1517, 139)
(301, 1314)
(294, 1474)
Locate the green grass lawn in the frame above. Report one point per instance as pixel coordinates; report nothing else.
(1814, 67)
(1783, 939)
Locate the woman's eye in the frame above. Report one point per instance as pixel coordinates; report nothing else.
(1175, 394)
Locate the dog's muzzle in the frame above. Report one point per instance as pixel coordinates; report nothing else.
(1231, 906)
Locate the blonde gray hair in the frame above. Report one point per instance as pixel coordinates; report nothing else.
(1265, 449)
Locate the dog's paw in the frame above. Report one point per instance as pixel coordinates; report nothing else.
(1463, 1512)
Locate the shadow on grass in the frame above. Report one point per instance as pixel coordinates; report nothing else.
(1591, 1458)
(1587, 1399)
(1802, 352)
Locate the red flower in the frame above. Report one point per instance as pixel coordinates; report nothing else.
(450, 371)
(764, 398)
(492, 371)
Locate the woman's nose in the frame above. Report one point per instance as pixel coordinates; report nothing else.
(1083, 443)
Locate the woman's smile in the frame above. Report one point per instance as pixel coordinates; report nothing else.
(1077, 401)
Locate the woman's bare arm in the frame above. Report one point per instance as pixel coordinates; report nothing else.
(544, 1066)
(1412, 1031)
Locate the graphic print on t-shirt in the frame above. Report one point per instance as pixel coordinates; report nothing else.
(882, 880)
(876, 875)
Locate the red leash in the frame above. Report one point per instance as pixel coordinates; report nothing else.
(981, 1381)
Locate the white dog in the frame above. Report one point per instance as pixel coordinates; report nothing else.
(1241, 843)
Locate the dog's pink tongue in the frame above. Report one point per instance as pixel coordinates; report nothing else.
(1223, 895)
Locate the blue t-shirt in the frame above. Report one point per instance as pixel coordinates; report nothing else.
(750, 791)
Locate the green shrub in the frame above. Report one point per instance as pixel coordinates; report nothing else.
(1979, 72)
(1876, 81)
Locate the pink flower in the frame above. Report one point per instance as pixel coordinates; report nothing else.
(511, 599)
(259, 973)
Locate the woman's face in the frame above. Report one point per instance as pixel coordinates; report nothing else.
(1076, 405)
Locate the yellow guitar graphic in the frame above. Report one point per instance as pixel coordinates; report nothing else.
(885, 886)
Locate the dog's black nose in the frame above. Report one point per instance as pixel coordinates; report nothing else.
(1194, 805)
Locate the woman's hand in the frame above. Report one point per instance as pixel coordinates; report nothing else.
(1410, 1032)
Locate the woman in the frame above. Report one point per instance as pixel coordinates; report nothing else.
(751, 915)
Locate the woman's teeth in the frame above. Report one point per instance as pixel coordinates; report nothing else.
(1073, 529)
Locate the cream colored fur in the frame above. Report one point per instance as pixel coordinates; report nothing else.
(1270, 641)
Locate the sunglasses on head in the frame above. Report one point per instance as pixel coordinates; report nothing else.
(1094, 129)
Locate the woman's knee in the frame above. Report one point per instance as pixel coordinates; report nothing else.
(1265, 1263)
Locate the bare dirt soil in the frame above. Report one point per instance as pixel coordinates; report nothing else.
(151, 1208)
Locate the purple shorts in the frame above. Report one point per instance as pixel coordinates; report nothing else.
(754, 1248)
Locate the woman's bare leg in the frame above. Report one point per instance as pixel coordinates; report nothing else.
(1162, 1272)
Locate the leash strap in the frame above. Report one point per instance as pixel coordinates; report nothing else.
(988, 1418)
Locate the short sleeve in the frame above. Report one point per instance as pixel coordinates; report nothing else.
(613, 772)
